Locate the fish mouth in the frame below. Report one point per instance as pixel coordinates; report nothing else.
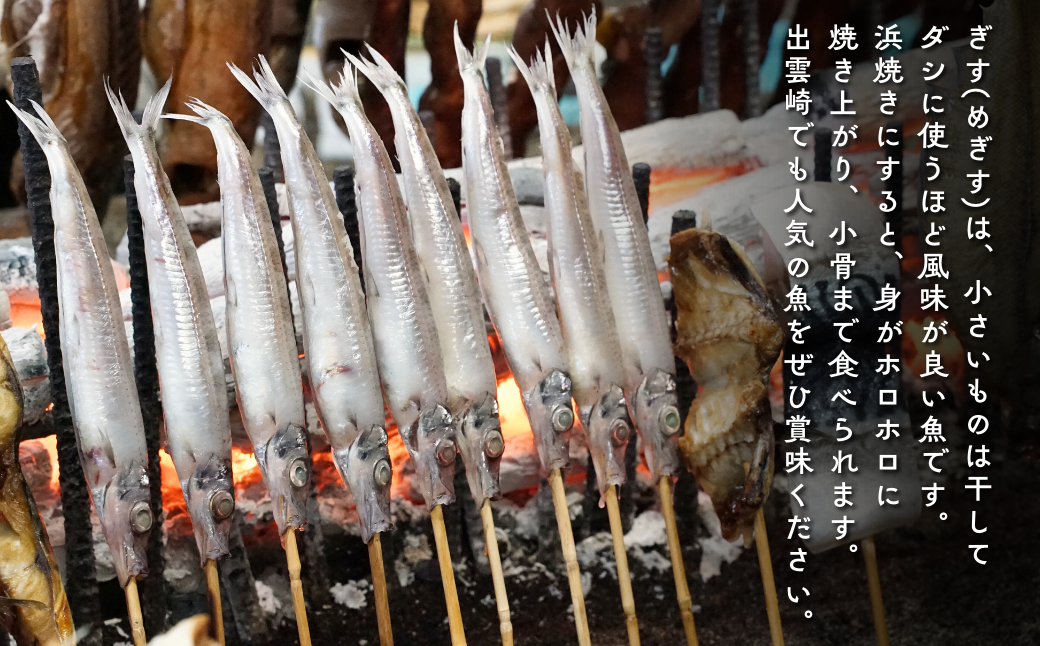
(608, 428)
(481, 445)
(285, 463)
(126, 520)
(366, 467)
(549, 412)
(434, 451)
(655, 412)
(210, 494)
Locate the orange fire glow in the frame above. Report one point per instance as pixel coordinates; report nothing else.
(25, 303)
(671, 185)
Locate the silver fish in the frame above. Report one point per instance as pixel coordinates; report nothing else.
(576, 267)
(260, 333)
(341, 359)
(515, 293)
(451, 284)
(106, 413)
(631, 275)
(191, 370)
(407, 347)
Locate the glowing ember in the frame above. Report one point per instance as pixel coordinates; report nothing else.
(245, 470)
(671, 185)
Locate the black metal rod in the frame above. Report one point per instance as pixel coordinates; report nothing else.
(641, 178)
(497, 94)
(153, 588)
(653, 43)
(711, 77)
(822, 155)
(752, 58)
(272, 148)
(343, 184)
(82, 588)
(456, 195)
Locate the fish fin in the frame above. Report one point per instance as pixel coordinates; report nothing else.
(379, 71)
(581, 44)
(265, 87)
(539, 73)
(152, 110)
(42, 128)
(339, 95)
(205, 113)
(467, 60)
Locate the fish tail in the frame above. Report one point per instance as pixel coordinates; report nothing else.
(539, 73)
(379, 71)
(152, 110)
(206, 114)
(340, 95)
(42, 127)
(471, 61)
(265, 88)
(579, 46)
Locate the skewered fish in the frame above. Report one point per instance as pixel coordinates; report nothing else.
(730, 335)
(106, 414)
(576, 268)
(407, 346)
(191, 371)
(341, 359)
(451, 284)
(261, 340)
(515, 292)
(631, 275)
(39, 612)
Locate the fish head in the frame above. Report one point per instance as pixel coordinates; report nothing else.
(285, 462)
(434, 454)
(481, 445)
(656, 415)
(127, 519)
(551, 416)
(608, 430)
(210, 494)
(366, 467)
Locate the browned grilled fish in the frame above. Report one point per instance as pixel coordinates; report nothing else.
(730, 335)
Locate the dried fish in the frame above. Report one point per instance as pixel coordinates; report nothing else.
(191, 370)
(341, 359)
(260, 335)
(515, 292)
(407, 346)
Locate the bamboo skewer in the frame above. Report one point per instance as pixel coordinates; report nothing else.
(877, 604)
(765, 563)
(451, 595)
(570, 557)
(617, 534)
(682, 588)
(292, 555)
(497, 578)
(375, 559)
(133, 607)
(215, 612)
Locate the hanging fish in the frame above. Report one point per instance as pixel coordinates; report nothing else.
(191, 370)
(576, 268)
(515, 292)
(407, 346)
(631, 275)
(451, 284)
(106, 413)
(260, 334)
(341, 360)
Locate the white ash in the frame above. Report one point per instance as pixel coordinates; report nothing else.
(354, 594)
(275, 595)
(416, 549)
(714, 549)
(647, 530)
(30, 362)
(269, 603)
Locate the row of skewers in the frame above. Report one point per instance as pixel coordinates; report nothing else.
(405, 332)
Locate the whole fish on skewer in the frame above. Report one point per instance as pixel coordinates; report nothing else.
(106, 413)
(191, 370)
(451, 284)
(515, 292)
(260, 333)
(576, 267)
(406, 341)
(631, 275)
(341, 359)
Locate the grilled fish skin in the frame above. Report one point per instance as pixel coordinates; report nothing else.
(106, 413)
(575, 265)
(341, 360)
(191, 371)
(407, 346)
(451, 284)
(631, 275)
(515, 293)
(260, 333)
(730, 335)
(29, 573)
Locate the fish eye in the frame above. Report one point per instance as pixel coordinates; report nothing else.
(619, 432)
(446, 452)
(494, 443)
(141, 517)
(382, 472)
(299, 474)
(562, 418)
(221, 505)
(669, 417)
